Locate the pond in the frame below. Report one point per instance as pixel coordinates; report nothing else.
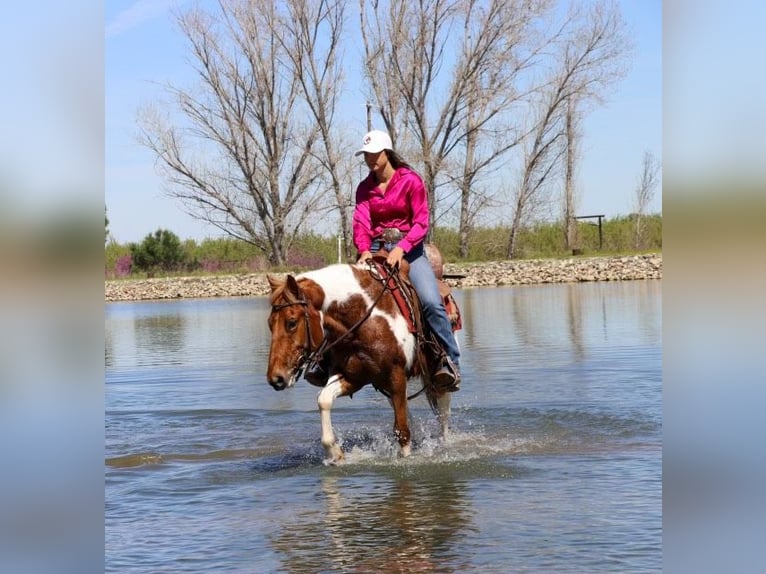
(554, 462)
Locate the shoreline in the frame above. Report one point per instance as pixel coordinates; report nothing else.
(485, 274)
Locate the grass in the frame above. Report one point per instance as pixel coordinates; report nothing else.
(224, 256)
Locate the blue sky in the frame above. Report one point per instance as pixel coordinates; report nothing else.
(143, 50)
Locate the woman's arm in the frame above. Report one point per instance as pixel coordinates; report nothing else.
(362, 222)
(419, 210)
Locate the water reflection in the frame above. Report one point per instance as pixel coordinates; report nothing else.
(162, 335)
(381, 526)
(574, 321)
(108, 349)
(574, 317)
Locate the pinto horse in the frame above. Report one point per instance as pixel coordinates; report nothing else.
(350, 313)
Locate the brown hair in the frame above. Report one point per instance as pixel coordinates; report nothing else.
(396, 160)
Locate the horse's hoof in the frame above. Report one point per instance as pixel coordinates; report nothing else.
(334, 457)
(406, 451)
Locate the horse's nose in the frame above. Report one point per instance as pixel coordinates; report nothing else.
(278, 382)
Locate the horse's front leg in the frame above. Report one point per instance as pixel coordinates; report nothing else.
(336, 387)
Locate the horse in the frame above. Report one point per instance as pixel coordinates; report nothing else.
(349, 312)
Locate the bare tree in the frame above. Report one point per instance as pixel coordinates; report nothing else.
(445, 75)
(645, 189)
(240, 155)
(570, 198)
(315, 51)
(542, 152)
(593, 51)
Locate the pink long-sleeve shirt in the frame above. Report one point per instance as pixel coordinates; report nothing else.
(403, 205)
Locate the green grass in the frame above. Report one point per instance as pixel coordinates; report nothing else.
(542, 241)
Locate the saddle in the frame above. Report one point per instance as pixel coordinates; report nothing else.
(407, 298)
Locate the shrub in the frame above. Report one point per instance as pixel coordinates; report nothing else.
(112, 254)
(123, 266)
(161, 250)
(298, 258)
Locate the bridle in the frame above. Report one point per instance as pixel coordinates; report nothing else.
(309, 354)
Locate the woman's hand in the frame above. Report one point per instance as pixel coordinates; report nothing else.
(395, 257)
(364, 257)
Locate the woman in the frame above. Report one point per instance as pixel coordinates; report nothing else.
(392, 213)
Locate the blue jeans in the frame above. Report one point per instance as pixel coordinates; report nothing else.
(424, 281)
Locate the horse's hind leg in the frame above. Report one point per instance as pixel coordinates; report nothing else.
(336, 387)
(443, 412)
(401, 424)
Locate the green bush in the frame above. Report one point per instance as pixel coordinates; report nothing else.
(227, 255)
(112, 253)
(161, 250)
(546, 239)
(164, 251)
(311, 251)
(618, 235)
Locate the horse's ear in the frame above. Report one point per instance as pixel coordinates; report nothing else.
(292, 287)
(274, 281)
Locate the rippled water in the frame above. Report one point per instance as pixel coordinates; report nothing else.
(554, 463)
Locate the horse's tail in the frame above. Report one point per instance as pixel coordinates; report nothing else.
(432, 394)
(427, 350)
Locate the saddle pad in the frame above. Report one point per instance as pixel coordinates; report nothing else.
(402, 301)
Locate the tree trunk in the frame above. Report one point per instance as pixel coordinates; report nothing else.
(515, 228)
(570, 228)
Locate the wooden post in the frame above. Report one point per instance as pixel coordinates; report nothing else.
(600, 234)
(600, 230)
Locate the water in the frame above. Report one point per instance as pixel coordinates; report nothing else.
(554, 463)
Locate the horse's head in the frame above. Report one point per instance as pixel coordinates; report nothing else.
(296, 331)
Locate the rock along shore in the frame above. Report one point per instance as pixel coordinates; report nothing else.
(463, 275)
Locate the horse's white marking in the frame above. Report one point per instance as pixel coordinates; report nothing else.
(401, 331)
(339, 283)
(325, 400)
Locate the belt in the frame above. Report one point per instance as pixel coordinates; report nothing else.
(390, 235)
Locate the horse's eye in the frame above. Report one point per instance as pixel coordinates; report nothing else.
(291, 324)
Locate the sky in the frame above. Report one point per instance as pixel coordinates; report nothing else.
(144, 50)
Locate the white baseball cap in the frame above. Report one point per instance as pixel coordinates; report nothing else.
(374, 142)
